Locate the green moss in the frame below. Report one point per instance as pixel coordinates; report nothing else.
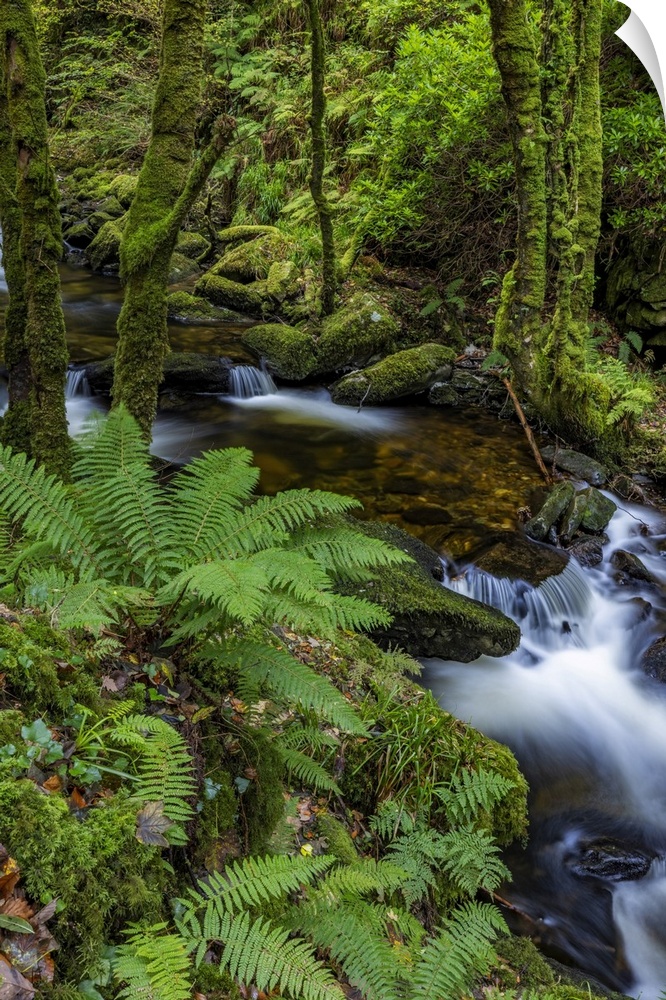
(10, 726)
(34, 660)
(104, 251)
(181, 267)
(527, 966)
(288, 350)
(192, 245)
(94, 864)
(216, 984)
(282, 280)
(190, 308)
(123, 187)
(353, 334)
(262, 802)
(403, 374)
(248, 299)
(216, 819)
(339, 842)
(252, 261)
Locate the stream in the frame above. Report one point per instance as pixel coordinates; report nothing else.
(588, 728)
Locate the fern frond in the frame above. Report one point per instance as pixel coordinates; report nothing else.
(45, 507)
(164, 766)
(308, 770)
(206, 494)
(153, 965)
(288, 680)
(244, 884)
(237, 588)
(361, 878)
(273, 518)
(472, 861)
(120, 495)
(459, 955)
(346, 553)
(350, 936)
(471, 791)
(419, 853)
(257, 953)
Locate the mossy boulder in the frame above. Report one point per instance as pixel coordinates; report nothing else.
(406, 373)
(552, 510)
(104, 251)
(576, 464)
(112, 207)
(443, 394)
(282, 280)
(516, 558)
(193, 309)
(251, 300)
(123, 187)
(192, 245)
(182, 267)
(429, 619)
(362, 328)
(251, 261)
(183, 372)
(288, 351)
(79, 234)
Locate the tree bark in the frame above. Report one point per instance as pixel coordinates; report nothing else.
(555, 122)
(35, 344)
(322, 204)
(169, 183)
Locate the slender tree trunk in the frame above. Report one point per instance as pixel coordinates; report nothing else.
(554, 117)
(35, 344)
(322, 204)
(169, 183)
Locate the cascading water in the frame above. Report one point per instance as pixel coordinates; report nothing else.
(76, 384)
(589, 731)
(246, 381)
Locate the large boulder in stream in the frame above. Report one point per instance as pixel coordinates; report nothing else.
(361, 329)
(516, 558)
(576, 464)
(653, 662)
(288, 350)
(405, 373)
(429, 619)
(183, 372)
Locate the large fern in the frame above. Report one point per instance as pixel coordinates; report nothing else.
(153, 965)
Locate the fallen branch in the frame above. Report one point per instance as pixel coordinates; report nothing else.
(528, 433)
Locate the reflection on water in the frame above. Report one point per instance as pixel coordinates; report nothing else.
(446, 476)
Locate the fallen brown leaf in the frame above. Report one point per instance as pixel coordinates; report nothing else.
(152, 824)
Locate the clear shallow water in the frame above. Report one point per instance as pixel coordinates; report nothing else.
(589, 731)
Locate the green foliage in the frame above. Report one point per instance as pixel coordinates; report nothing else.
(197, 559)
(153, 964)
(472, 791)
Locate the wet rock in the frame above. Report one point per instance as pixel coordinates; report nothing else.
(587, 551)
(653, 662)
(578, 465)
(404, 483)
(516, 558)
(427, 558)
(123, 187)
(405, 373)
(288, 351)
(362, 328)
(610, 861)
(183, 372)
(282, 280)
(182, 267)
(427, 513)
(429, 619)
(588, 510)
(557, 502)
(630, 569)
(443, 394)
(79, 235)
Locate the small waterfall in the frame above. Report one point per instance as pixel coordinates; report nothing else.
(76, 384)
(589, 731)
(246, 381)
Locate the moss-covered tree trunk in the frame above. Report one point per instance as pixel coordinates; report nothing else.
(169, 183)
(317, 127)
(35, 345)
(550, 84)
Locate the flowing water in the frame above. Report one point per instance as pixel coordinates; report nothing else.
(588, 728)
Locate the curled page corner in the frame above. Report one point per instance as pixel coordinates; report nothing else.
(645, 34)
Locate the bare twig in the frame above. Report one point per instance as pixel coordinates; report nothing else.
(528, 433)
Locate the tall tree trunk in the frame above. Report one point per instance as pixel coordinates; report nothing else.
(35, 344)
(554, 115)
(169, 183)
(322, 204)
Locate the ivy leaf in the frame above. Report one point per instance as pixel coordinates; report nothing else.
(16, 924)
(152, 824)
